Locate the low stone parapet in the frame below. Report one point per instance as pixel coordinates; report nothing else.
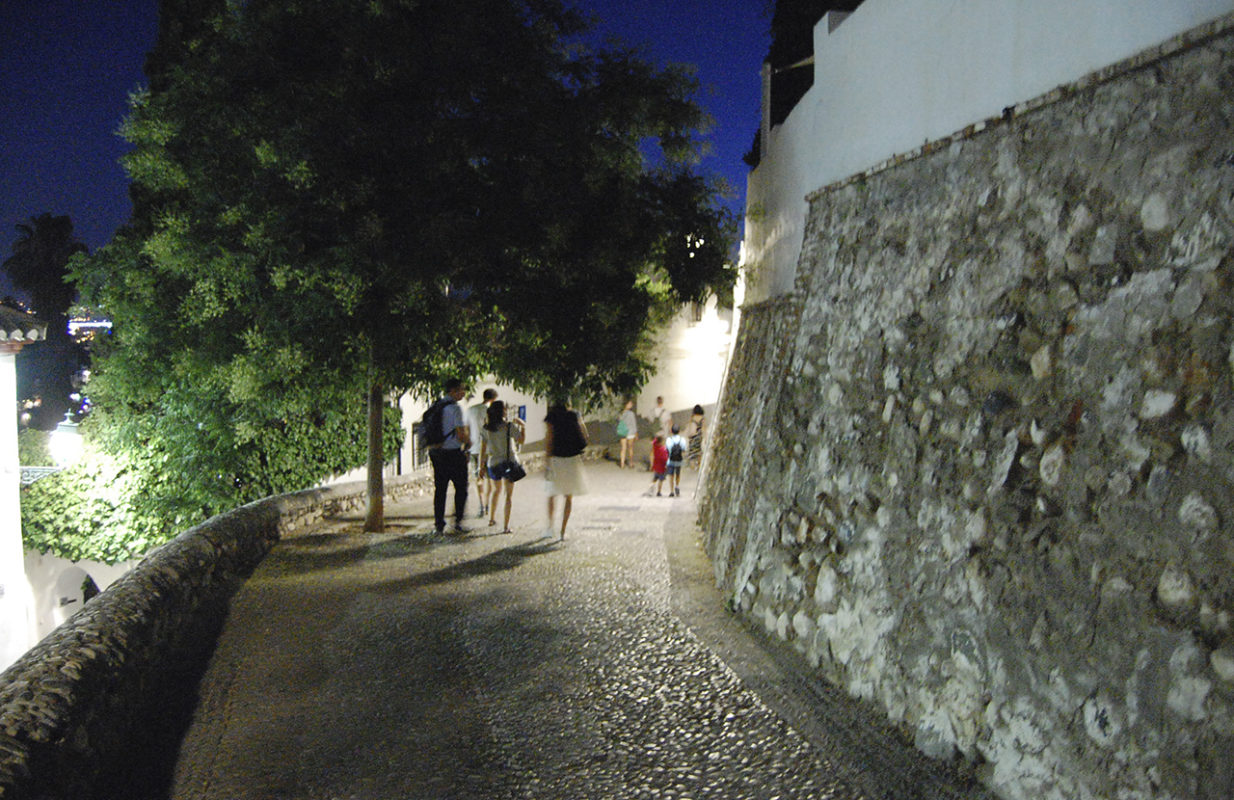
(96, 708)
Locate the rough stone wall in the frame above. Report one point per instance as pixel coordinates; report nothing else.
(757, 373)
(985, 479)
(95, 709)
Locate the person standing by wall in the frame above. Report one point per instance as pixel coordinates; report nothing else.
(564, 441)
(694, 435)
(477, 416)
(449, 458)
(630, 420)
(676, 446)
(499, 437)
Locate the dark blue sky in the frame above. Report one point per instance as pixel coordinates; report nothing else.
(67, 67)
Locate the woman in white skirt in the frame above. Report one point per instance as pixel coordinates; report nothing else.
(564, 441)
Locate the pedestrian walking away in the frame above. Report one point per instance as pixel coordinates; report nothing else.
(477, 416)
(676, 447)
(663, 418)
(627, 430)
(565, 439)
(448, 455)
(499, 438)
(659, 465)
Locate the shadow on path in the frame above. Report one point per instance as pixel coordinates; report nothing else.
(327, 552)
(498, 561)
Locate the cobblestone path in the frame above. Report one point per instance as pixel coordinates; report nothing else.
(403, 665)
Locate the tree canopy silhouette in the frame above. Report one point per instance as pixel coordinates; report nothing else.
(338, 199)
(38, 266)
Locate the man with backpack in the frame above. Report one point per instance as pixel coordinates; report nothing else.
(663, 418)
(447, 438)
(676, 446)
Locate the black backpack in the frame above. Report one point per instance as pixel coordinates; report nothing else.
(431, 432)
(674, 453)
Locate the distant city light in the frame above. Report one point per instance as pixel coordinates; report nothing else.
(76, 325)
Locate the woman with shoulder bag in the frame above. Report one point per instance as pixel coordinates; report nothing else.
(498, 440)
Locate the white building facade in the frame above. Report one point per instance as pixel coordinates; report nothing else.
(897, 73)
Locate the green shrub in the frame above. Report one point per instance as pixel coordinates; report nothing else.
(86, 511)
(34, 448)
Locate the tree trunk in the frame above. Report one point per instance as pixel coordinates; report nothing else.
(375, 521)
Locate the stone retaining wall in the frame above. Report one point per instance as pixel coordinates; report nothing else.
(978, 468)
(95, 709)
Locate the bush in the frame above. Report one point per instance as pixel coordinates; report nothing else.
(112, 508)
(34, 448)
(86, 511)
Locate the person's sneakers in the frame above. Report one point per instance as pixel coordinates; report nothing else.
(460, 529)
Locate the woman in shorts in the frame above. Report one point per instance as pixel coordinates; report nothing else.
(498, 440)
(630, 420)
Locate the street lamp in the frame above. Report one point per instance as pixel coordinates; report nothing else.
(65, 442)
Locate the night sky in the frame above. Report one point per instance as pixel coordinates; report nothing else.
(67, 67)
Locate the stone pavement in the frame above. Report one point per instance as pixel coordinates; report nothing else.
(407, 665)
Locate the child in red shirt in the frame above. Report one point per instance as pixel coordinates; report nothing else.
(659, 464)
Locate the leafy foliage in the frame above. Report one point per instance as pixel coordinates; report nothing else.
(334, 196)
(84, 512)
(114, 507)
(366, 185)
(33, 448)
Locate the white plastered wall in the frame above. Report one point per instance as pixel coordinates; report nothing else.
(691, 362)
(57, 583)
(898, 73)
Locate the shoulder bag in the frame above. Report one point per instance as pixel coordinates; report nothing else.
(512, 471)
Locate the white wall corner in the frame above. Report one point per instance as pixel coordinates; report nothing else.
(833, 20)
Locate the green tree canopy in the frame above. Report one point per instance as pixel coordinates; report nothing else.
(335, 197)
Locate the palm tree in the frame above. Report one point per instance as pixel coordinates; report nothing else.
(37, 267)
(38, 264)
